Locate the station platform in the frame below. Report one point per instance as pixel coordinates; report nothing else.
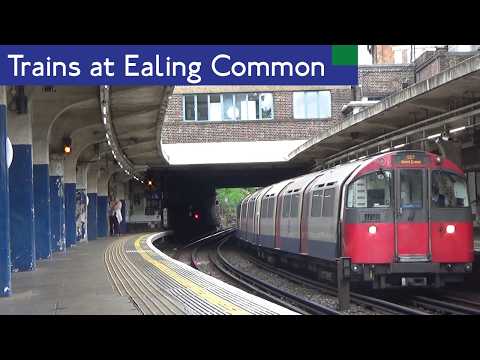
(71, 283)
(125, 276)
(158, 284)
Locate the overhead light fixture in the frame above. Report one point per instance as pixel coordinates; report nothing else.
(399, 146)
(67, 145)
(434, 136)
(457, 129)
(385, 150)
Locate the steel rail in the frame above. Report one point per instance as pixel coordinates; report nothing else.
(443, 306)
(359, 299)
(275, 294)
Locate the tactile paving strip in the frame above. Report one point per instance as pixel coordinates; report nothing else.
(189, 290)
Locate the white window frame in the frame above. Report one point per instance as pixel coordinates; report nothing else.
(234, 97)
(318, 104)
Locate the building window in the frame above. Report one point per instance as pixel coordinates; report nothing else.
(189, 106)
(312, 104)
(228, 107)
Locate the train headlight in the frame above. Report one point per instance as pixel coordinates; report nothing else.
(355, 268)
(450, 229)
(468, 267)
(372, 229)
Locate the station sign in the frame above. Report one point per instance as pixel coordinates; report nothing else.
(328, 65)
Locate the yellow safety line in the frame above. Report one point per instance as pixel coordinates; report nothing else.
(198, 290)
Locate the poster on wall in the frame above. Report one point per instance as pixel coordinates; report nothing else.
(81, 215)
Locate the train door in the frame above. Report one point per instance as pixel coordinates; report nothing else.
(411, 208)
(292, 235)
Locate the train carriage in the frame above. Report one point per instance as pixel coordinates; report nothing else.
(268, 214)
(402, 217)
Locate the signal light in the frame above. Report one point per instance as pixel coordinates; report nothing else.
(196, 216)
(150, 183)
(67, 145)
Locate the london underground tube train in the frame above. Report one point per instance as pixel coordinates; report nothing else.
(402, 217)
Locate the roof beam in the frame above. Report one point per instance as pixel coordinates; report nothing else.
(152, 153)
(429, 107)
(329, 147)
(137, 144)
(381, 125)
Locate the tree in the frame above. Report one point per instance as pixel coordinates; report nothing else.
(228, 200)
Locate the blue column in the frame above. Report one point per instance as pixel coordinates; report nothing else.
(102, 219)
(92, 216)
(5, 274)
(41, 201)
(22, 221)
(57, 214)
(70, 205)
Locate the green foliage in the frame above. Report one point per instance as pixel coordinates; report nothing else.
(228, 200)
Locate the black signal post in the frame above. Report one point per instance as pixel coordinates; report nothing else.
(343, 282)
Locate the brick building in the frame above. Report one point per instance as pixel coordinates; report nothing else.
(286, 115)
(203, 114)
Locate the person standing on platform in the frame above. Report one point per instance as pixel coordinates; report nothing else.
(111, 216)
(117, 216)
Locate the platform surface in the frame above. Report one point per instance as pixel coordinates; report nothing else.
(72, 283)
(137, 267)
(124, 276)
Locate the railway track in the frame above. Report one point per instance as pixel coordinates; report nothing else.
(264, 289)
(445, 304)
(184, 254)
(373, 303)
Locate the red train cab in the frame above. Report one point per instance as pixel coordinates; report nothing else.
(406, 220)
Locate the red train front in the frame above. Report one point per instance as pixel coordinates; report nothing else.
(406, 220)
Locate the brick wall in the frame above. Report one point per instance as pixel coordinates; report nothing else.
(432, 63)
(384, 80)
(383, 54)
(282, 127)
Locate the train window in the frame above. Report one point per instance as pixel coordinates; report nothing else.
(411, 184)
(316, 203)
(448, 190)
(294, 205)
(286, 206)
(370, 191)
(328, 202)
(271, 203)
